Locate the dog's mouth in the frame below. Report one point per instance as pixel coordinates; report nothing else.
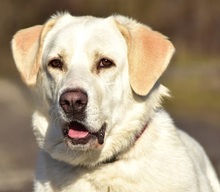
(78, 134)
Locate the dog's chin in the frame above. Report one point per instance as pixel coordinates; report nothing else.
(78, 137)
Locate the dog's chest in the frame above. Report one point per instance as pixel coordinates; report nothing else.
(114, 177)
(110, 177)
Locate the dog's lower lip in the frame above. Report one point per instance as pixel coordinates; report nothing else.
(101, 134)
(78, 133)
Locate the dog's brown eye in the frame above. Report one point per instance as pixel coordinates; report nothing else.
(105, 63)
(56, 63)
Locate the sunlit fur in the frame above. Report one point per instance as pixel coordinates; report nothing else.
(143, 151)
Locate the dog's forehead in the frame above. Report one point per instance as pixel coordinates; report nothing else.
(84, 31)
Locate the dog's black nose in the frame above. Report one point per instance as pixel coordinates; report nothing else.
(73, 101)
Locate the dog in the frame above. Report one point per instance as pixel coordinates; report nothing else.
(98, 121)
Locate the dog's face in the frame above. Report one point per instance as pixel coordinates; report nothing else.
(92, 78)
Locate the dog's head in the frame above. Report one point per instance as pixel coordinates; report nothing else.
(95, 83)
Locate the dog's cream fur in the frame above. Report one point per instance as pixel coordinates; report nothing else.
(125, 96)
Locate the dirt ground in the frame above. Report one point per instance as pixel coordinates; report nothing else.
(18, 148)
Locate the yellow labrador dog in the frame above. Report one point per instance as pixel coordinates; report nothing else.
(98, 120)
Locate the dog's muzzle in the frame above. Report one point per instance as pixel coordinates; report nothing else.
(74, 104)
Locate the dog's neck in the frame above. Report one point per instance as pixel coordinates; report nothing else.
(137, 136)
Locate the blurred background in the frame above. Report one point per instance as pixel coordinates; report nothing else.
(193, 75)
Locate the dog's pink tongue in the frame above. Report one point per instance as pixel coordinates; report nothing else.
(77, 130)
(77, 134)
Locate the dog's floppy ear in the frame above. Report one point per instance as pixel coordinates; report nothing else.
(149, 53)
(26, 47)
